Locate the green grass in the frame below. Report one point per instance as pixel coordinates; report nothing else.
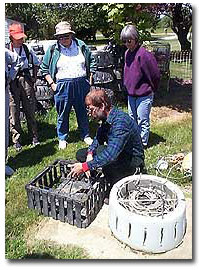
(50, 250)
(181, 70)
(167, 138)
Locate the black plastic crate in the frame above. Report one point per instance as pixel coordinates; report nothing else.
(76, 201)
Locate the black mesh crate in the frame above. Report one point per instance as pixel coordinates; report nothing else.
(76, 201)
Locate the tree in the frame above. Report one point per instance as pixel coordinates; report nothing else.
(121, 14)
(146, 16)
(164, 22)
(85, 18)
(182, 22)
(40, 19)
(181, 17)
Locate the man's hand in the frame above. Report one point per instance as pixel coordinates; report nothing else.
(76, 169)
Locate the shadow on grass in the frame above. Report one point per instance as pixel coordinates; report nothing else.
(38, 256)
(155, 139)
(74, 135)
(32, 156)
(179, 96)
(46, 131)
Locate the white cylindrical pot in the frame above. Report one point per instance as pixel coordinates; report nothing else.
(148, 231)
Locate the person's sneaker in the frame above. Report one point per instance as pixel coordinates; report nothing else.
(8, 170)
(88, 140)
(62, 144)
(35, 141)
(18, 146)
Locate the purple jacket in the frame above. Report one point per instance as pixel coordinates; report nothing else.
(141, 72)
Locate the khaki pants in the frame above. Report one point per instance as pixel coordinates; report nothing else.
(22, 90)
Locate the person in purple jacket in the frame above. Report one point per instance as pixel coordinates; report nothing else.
(141, 79)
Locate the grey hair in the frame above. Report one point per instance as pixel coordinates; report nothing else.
(129, 32)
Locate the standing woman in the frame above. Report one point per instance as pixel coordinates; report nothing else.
(141, 78)
(68, 67)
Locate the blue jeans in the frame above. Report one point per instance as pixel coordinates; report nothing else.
(71, 92)
(139, 108)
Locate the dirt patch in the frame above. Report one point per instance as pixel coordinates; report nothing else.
(175, 104)
(99, 243)
(165, 114)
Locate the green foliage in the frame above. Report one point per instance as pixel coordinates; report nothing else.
(165, 22)
(181, 20)
(87, 18)
(40, 19)
(121, 14)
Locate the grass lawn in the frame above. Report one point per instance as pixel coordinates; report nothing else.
(167, 138)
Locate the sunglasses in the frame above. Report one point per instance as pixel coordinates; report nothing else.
(64, 37)
(127, 41)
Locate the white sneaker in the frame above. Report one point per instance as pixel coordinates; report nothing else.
(9, 171)
(62, 144)
(88, 140)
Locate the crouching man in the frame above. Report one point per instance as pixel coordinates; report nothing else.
(117, 147)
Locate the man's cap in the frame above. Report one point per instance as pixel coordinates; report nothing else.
(16, 31)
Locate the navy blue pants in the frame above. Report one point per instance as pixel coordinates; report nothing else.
(71, 92)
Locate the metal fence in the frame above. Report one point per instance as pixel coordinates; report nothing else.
(181, 56)
(181, 64)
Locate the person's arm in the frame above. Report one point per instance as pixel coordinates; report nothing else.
(150, 68)
(92, 64)
(50, 82)
(116, 142)
(45, 69)
(93, 67)
(45, 65)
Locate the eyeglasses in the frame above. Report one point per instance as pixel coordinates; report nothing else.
(65, 37)
(91, 110)
(127, 41)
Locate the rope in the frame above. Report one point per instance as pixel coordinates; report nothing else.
(147, 200)
(174, 162)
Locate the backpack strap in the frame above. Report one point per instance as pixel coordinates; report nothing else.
(28, 55)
